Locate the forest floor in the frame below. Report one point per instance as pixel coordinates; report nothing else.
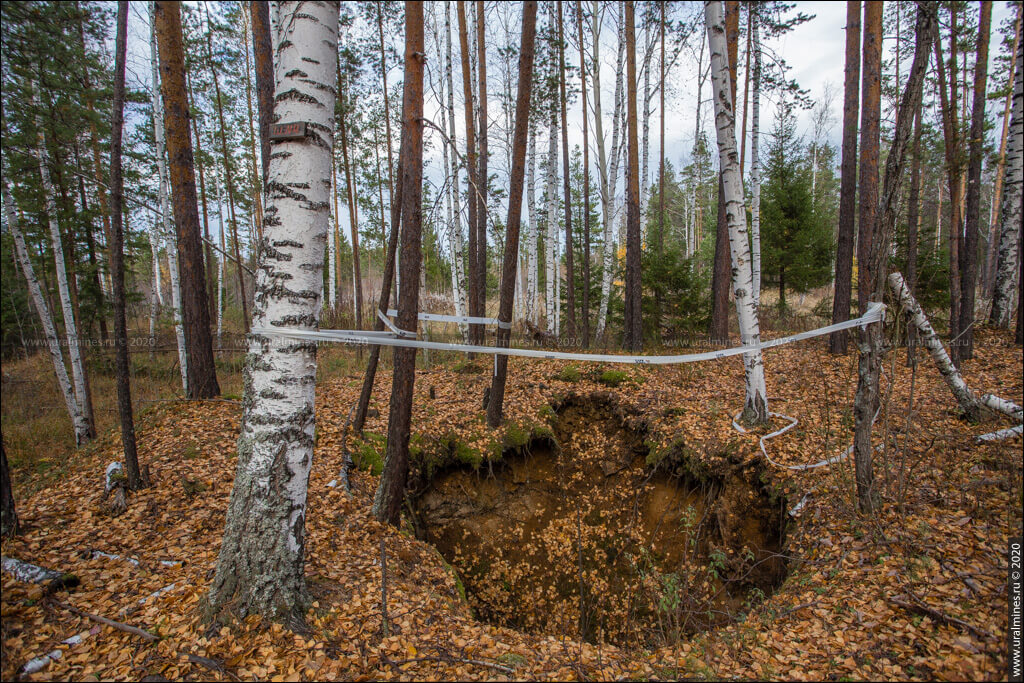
(916, 591)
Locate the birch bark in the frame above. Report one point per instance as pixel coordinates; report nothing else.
(551, 227)
(755, 406)
(1010, 212)
(260, 566)
(78, 421)
(531, 227)
(63, 290)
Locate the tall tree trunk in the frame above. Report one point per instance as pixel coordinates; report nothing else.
(475, 331)
(951, 139)
(848, 181)
(387, 277)
(63, 288)
(353, 216)
(207, 245)
(202, 374)
(228, 180)
(124, 389)
(8, 513)
(872, 275)
(551, 227)
(387, 114)
(661, 167)
(532, 278)
(609, 171)
(263, 58)
(586, 175)
(495, 404)
(969, 253)
(459, 283)
(997, 195)
(870, 121)
(220, 261)
(570, 277)
(720, 279)
(387, 502)
(755, 160)
(913, 225)
(755, 405)
(1009, 257)
(78, 422)
(257, 175)
(481, 193)
(260, 566)
(633, 322)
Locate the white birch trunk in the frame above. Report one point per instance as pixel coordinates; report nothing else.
(930, 340)
(531, 228)
(165, 209)
(755, 407)
(155, 295)
(456, 243)
(78, 422)
(260, 567)
(63, 291)
(1013, 197)
(551, 224)
(755, 161)
(609, 179)
(332, 253)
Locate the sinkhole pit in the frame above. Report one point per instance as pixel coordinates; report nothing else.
(581, 535)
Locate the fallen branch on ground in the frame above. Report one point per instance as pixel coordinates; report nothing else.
(921, 608)
(110, 622)
(30, 573)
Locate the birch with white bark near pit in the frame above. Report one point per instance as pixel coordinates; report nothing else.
(755, 406)
(969, 403)
(78, 421)
(1013, 206)
(260, 566)
(164, 194)
(755, 159)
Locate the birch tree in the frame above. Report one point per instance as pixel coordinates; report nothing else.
(260, 566)
(78, 422)
(63, 290)
(755, 405)
(551, 226)
(531, 226)
(570, 293)
(456, 244)
(1010, 211)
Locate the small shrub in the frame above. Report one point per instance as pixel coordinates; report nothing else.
(569, 374)
(612, 378)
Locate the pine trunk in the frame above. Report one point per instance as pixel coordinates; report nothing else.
(586, 177)
(390, 495)
(202, 374)
(755, 405)
(634, 322)
(969, 253)
(870, 122)
(260, 566)
(263, 59)
(124, 393)
(842, 295)
(495, 404)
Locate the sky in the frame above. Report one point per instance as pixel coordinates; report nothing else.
(814, 51)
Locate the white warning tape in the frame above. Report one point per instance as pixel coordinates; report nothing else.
(875, 313)
(391, 326)
(442, 318)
